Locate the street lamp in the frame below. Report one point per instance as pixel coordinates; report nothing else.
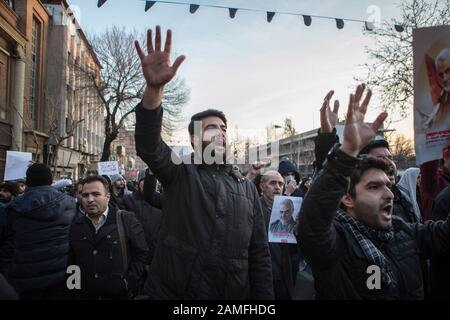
(276, 126)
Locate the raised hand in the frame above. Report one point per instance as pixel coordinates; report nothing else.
(357, 134)
(328, 118)
(156, 64)
(255, 169)
(290, 187)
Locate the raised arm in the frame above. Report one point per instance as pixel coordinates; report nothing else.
(157, 72)
(316, 233)
(326, 137)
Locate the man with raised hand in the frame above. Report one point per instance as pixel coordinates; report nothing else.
(212, 243)
(356, 247)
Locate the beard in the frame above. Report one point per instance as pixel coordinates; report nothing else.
(214, 152)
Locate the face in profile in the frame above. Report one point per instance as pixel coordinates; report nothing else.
(385, 154)
(373, 201)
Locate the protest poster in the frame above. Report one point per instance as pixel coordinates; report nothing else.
(108, 168)
(284, 219)
(16, 165)
(431, 48)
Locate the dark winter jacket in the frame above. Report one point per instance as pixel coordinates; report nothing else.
(212, 242)
(148, 216)
(440, 266)
(99, 256)
(7, 292)
(339, 265)
(37, 242)
(153, 197)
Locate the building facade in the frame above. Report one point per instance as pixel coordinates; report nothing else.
(47, 105)
(74, 108)
(23, 46)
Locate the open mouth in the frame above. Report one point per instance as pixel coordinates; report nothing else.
(387, 210)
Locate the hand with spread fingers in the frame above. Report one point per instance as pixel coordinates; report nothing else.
(357, 133)
(328, 118)
(156, 67)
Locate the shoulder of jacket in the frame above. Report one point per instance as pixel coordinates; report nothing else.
(128, 216)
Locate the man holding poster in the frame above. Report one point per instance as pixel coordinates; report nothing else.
(284, 268)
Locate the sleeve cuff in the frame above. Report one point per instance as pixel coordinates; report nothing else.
(341, 162)
(148, 113)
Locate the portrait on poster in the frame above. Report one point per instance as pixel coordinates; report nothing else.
(284, 219)
(431, 92)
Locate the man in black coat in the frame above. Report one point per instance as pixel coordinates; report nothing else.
(363, 251)
(107, 245)
(440, 266)
(283, 270)
(212, 242)
(147, 215)
(327, 137)
(36, 249)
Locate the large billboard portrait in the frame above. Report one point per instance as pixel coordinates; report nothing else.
(431, 48)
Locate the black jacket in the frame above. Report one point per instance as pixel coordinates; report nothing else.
(37, 240)
(212, 242)
(153, 197)
(148, 216)
(99, 256)
(440, 266)
(338, 263)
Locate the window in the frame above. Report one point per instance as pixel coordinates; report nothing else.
(34, 72)
(4, 76)
(10, 3)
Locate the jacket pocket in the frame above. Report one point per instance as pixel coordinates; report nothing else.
(242, 219)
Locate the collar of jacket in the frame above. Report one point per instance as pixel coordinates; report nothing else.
(112, 210)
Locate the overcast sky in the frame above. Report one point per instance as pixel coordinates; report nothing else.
(258, 73)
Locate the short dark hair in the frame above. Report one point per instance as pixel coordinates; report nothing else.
(365, 164)
(100, 179)
(380, 143)
(207, 113)
(91, 172)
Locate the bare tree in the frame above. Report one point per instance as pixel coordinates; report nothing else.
(402, 150)
(54, 129)
(288, 128)
(390, 70)
(122, 85)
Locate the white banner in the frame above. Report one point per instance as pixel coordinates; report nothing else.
(108, 168)
(17, 164)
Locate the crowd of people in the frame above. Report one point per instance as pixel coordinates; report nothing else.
(205, 235)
